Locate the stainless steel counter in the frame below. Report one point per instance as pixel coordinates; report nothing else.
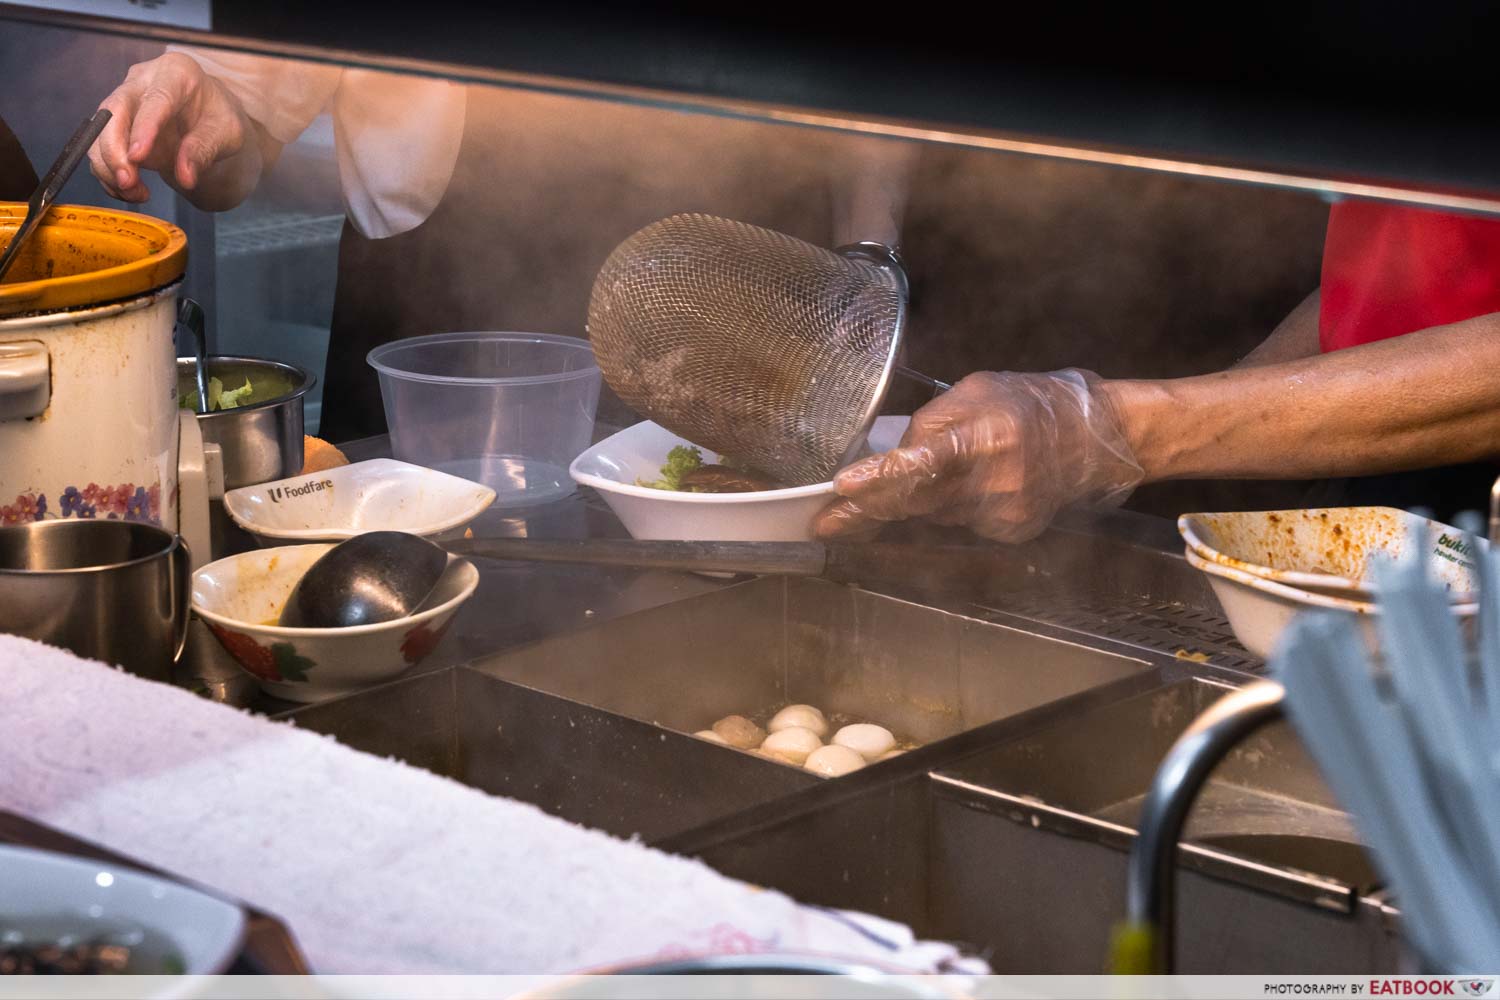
(1046, 691)
(1111, 579)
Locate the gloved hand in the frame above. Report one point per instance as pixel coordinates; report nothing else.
(1001, 453)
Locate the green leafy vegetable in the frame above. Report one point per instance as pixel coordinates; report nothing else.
(219, 398)
(230, 398)
(680, 461)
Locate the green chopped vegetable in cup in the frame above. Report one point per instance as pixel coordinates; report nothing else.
(219, 398)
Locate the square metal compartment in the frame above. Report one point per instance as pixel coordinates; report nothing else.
(1019, 849)
(592, 725)
(923, 673)
(1271, 876)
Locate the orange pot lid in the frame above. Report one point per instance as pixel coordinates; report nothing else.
(83, 256)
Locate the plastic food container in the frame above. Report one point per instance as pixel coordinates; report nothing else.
(509, 410)
(615, 465)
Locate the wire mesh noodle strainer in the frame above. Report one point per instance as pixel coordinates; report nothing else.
(750, 343)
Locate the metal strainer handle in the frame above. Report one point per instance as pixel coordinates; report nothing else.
(890, 258)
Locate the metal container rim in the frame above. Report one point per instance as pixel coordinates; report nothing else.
(173, 542)
(304, 379)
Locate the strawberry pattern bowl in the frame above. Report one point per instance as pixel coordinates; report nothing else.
(240, 599)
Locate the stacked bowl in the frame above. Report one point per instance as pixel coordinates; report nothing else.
(1266, 566)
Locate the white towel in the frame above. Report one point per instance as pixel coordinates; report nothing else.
(375, 866)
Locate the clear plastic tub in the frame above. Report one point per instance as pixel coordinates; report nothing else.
(509, 410)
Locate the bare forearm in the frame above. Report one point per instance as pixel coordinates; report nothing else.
(1295, 337)
(1427, 399)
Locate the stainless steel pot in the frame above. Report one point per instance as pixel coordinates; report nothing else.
(116, 591)
(261, 441)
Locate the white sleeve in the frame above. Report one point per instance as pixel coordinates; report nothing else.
(398, 140)
(283, 95)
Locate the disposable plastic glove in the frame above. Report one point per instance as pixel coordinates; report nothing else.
(1000, 453)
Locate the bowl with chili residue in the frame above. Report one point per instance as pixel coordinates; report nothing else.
(1332, 550)
(240, 599)
(1259, 610)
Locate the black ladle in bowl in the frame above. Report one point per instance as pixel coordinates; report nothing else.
(375, 577)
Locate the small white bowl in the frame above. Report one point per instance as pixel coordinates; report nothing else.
(614, 465)
(1259, 609)
(47, 893)
(378, 495)
(237, 597)
(1330, 550)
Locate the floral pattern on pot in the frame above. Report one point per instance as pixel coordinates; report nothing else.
(422, 640)
(278, 663)
(125, 502)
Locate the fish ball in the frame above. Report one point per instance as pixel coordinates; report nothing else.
(794, 744)
(832, 761)
(739, 732)
(866, 739)
(799, 717)
(710, 735)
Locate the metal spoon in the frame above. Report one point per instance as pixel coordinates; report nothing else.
(46, 192)
(375, 577)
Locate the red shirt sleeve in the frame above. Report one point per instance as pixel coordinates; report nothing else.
(1390, 270)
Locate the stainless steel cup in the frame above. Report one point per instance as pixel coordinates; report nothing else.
(115, 591)
(260, 441)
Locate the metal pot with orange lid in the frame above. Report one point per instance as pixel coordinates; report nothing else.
(88, 375)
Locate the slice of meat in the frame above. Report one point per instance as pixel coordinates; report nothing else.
(723, 479)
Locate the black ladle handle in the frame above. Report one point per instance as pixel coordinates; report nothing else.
(190, 315)
(46, 192)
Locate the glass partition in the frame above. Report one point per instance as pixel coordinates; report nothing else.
(1016, 262)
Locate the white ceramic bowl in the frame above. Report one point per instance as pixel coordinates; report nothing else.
(378, 495)
(47, 893)
(1259, 609)
(236, 597)
(1330, 551)
(614, 465)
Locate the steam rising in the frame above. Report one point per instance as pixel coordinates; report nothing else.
(1015, 262)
